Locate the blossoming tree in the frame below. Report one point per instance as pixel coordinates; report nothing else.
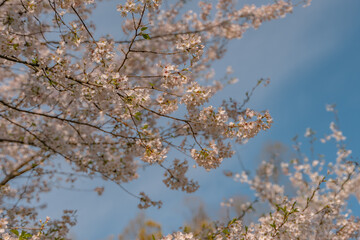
(108, 106)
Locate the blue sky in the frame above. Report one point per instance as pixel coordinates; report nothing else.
(312, 57)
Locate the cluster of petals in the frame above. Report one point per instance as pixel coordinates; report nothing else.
(318, 209)
(136, 6)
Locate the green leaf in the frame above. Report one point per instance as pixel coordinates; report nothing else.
(15, 46)
(14, 231)
(137, 116)
(35, 60)
(143, 28)
(24, 235)
(153, 237)
(232, 221)
(146, 36)
(226, 231)
(273, 225)
(145, 126)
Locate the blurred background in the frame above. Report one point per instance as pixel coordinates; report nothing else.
(312, 58)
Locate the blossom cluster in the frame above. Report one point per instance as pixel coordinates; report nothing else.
(176, 178)
(136, 6)
(319, 208)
